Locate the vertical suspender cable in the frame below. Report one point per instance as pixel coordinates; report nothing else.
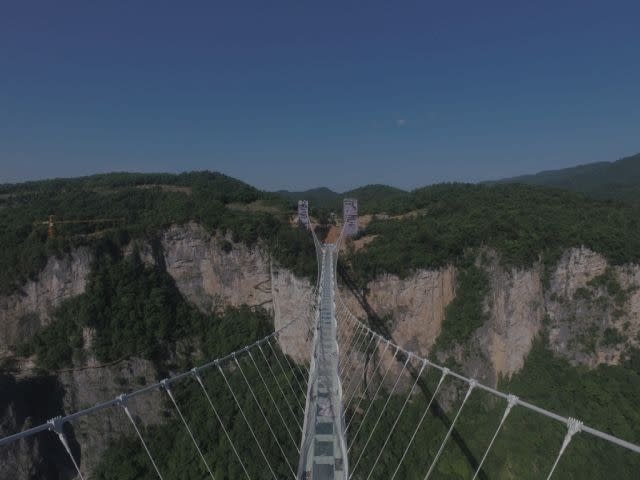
(233, 394)
(224, 429)
(57, 426)
(472, 385)
(167, 389)
(445, 372)
(511, 401)
(122, 401)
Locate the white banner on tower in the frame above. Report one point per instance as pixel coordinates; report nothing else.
(303, 212)
(350, 215)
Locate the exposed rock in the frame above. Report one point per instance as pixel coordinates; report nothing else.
(593, 309)
(85, 387)
(414, 307)
(518, 303)
(211, 276)
(212, 272)
(25, 312)
(292, 298)
(516, 310)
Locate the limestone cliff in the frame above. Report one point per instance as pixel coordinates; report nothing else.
(30, 308)
(590, 319)
(589, 310)
(210, 271)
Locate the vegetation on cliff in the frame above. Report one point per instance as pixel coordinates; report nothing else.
(605, 398)
(142, 204)
(133, 309)
(523, 224)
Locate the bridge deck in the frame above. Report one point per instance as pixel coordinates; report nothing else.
(323, 453)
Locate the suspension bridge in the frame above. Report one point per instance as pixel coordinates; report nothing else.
(358, 409)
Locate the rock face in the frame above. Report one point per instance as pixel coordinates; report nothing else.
(70, 391)
(593, 309)
(209, 271)
(28, 310)
(89, 386)
(414, 307)
(210, 276)
(516, 310)
(592, 312)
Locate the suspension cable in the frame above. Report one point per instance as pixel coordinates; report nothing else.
(404, 366)
(57, 426)
(123, 399)
(275, 437)
(393, 427)
(375, 370)
(275, 404)
(295, 417)
(167, 389)
(366, 388)
(372, 401)
(445, 372)
(286, 377)
(472, 385)
(511, 402)
(353, 388)
(224, 429)
(573, 426)
(247, 421)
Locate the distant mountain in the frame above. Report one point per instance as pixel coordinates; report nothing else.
(619, 179)
(371, 198)
(321, 196)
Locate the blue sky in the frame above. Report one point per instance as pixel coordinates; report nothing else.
(299, 94)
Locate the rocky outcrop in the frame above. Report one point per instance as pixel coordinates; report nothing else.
(516, 309)
(590, 311)
(29, 309)
(593, 309)
(413, 308)
(211, 272)
(89, 386)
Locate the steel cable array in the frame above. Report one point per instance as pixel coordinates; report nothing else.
(356, 327)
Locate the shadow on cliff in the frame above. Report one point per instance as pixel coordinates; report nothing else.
(378, 324)
(26, 403)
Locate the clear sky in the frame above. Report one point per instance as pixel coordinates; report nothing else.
(297, 94)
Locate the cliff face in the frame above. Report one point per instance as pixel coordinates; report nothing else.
(591, 311)
(29, 309)
(209, 271)
(210, 277)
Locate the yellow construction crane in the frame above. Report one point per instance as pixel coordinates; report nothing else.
(52, 222)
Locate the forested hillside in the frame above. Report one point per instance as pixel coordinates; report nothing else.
(134, 309)
(619, 179)
(141, 204)
(522, 223)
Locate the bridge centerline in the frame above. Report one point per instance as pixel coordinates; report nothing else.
(323, 454)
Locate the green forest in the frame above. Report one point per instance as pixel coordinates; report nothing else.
(170, 443)
(605, 398)
(522, 224)
(142, 204)
(135, 310)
